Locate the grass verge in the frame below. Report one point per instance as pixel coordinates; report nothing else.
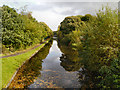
(11, 64)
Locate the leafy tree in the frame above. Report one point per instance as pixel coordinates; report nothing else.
(20, 31)
(97, 39)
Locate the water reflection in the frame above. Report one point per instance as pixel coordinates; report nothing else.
(69, 65)
(53, 75)
(69, 59)
(61, 68)
(30, 69)
(86, 79)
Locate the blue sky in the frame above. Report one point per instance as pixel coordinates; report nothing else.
(52, 12)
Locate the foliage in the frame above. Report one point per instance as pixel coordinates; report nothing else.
(87, 17)
(71, 26)
(69, 59)
(102, 46)
(21, 30)
(98, 42)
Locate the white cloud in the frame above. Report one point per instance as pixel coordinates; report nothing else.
(34, 1)
(50, 18)
(53, 12)
(62, 9)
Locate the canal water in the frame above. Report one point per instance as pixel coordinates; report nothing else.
(54, 66)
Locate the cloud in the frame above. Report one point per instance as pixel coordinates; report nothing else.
(36, 1)
(40, 7)
(50, 18)
(63, 10)
(74, 8)
(16, 5)
(71, 8)
(52, 13)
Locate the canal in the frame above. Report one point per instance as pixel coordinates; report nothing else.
(54, 66)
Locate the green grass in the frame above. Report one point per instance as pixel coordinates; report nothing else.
(11, 64)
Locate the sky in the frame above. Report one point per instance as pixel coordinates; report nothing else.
(53, 12)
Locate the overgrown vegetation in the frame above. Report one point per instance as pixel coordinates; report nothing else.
(20, 31)
(97, 39)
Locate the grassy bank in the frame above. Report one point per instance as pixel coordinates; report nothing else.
(11, 64)
(20, 51)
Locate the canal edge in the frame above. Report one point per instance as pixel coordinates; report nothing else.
(23, 64)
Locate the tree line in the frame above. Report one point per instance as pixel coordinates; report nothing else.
(21, 30)
(97, 40)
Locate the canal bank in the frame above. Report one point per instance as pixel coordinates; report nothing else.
(48, 71)
(11, 64)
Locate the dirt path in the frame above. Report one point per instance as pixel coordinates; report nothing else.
(23, 51)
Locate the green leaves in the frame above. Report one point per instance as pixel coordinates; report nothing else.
(97, 39)
(20, 31)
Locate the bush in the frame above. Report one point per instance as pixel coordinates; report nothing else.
(20, 31)
(98, 42)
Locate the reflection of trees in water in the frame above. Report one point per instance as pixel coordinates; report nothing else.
(87, 79)
(30, 69)
(71, 61)
(68, 64)
(84, 78)
(91, 67)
